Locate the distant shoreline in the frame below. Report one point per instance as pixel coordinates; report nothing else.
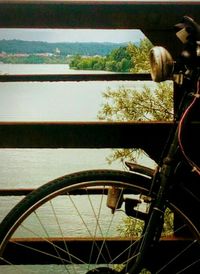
(45, 49)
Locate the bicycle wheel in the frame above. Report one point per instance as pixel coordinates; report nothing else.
(86, 222)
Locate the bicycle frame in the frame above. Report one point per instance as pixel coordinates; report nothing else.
(163, 180)
(143, 194)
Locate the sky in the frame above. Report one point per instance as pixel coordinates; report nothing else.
(71, 35)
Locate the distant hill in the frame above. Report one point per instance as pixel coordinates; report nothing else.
(76, 48)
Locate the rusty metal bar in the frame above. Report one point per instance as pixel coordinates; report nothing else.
(75, 77)
(150, 17)
(94, 14)
(81, 191)
(80, 248)
(85, 135)
(150, 136)
(15, 192)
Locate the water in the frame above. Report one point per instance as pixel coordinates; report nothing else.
(34, 101)
(50, 101)
(57, 101)
(53, 101)
(62, 101)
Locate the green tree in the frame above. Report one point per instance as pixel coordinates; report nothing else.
(118, 60)
(120, 53)
(153, 102)
(125, 64)
(110, 65)
(74, 62)
(140, 56)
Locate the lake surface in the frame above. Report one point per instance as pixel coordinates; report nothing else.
(61, 101)
(53, 101)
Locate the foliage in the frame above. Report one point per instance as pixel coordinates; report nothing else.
(127, 104)
(34, 59)
(140, 56)
(65, 48)
(130, 58)
(131, 227)
(168, 227)
(119, 60)
(152, 102)
(87, 63)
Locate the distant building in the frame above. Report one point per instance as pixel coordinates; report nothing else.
(20, 55)
(57, 51)
(45, 54)
(3, 54)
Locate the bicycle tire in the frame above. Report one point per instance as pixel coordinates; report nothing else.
(23, 217)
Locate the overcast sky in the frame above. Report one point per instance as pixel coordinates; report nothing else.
(71, 35)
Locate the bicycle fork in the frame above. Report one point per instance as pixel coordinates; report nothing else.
(153, 229)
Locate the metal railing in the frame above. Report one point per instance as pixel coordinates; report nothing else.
(150, 18)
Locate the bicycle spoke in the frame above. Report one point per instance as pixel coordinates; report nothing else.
(92, 236)
(97, 226)
(189, 266)
(61, 233)
(177, 256)
(79, 212)
(52, 244)
(106, 235)
(47, 235)
(125, 250)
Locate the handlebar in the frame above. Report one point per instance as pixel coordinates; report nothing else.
(163, 67)
(190, 28)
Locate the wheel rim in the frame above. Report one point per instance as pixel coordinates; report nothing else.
(99, 228)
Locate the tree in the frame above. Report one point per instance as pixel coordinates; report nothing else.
(75, 61)
(154, 102)
(119, 60)
(140, 56)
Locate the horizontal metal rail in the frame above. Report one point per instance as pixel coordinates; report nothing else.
(75, 77)
(85, 135)
(150, 136)
(95, 14)
(81, 191)
(81, 247)
(149, 16)
(15, 192)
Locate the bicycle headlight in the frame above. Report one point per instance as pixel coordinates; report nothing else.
(161, 64)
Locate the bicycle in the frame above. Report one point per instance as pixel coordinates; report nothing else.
(119, 217)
